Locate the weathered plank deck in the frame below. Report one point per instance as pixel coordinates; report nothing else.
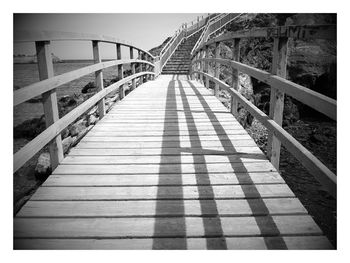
(167, 168)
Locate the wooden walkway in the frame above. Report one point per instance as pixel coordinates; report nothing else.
(167, 168)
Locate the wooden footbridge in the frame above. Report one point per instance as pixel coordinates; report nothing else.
(169, 167)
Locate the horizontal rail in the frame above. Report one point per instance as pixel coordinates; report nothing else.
(297, 32)
(325, 176)
(33, 36)
(36, 89)
(313, 99)
(31, 148)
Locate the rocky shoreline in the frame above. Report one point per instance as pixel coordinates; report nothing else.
(28, 178)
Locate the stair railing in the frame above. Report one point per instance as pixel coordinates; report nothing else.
(48, 84)
(279, 87)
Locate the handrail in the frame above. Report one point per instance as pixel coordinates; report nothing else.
(31, 148)
(48, 84)
(313, 99)
(33, 36)
(36, 89)
(279, 87)
(210, 28)
(311, 163)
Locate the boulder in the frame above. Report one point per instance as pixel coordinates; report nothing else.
(92, 119)
(43, 166)
(66, 143)
(77, 127)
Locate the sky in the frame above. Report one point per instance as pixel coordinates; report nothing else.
(144, 30)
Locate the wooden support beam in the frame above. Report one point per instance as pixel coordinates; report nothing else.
(235, 75)
(201, 68)
(217, 68)
(140, 66)
(98, 78)
(133, 70)
(120, 72)
(279, 68)
(207, 67)
(45, 67)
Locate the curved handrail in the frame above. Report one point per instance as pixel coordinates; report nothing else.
(313, 99)
(32, 36)
(33, 90)
(31, 148)
(279, 86)
(311, 163)
(48, 84)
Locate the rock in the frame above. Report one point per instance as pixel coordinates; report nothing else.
(29, 129)
(66, 143)
(92, 120)
(77, 127)
(43, 166)
(92, 111)
(88, 87)
(81, 134)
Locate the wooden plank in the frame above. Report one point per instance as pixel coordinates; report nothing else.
(49, 100)
(166, 179)
(217, 69)
(194, 139)
(165, 168)
(171, 144)
(150, 133)
(180, 159)
(99, 78)
(253, 243)
(254, 207)
(279, 68)
(164, 151)
(162, 192)
(171, 227)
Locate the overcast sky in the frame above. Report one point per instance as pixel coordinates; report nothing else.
(143, 30)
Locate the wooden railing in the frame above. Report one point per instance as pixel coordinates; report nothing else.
(279, 86)
(213, 25)
(48, 84)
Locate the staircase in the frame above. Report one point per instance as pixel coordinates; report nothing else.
(180, 61)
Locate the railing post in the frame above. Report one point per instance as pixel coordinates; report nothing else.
(279, 68)
(235, 75)
(207, 66)
(201, 68)
(99, 78)
(141, 67)
(217, 68)
(45, 67)
(133, 71)
(120, 72)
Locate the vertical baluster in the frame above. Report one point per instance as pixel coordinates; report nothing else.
(207, 66)
(99, 78)
(133, 71)
(217, 68)
(140, 66)
(45, 67)
(120, 72)
(201, 67)
(235, 75)
(279, 67)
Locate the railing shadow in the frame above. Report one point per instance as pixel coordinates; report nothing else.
(162, 226)
(264, 221)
